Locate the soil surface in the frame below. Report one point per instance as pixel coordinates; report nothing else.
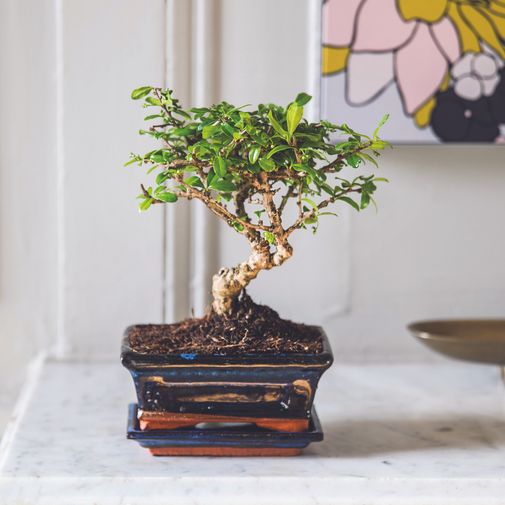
(252, 329)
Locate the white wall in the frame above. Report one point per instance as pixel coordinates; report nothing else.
(78, 263)
(436, 249)
(28, 184)
(111, 267)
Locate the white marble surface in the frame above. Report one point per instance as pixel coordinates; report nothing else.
(395, 434)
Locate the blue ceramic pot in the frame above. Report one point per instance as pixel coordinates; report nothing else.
(251, 385)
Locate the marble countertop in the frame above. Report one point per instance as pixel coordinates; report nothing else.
(394, 434)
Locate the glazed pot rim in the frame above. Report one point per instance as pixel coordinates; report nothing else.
(133, 359)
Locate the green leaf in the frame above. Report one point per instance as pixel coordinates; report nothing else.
(308, 170)
(139, 93)
(202, 151)
(145, 204)
(152, 116)
(194, 181)
(210, 177)
(327, 188)
(200, 110)
(266, 164)
(293, 117)
(302, 99)
(224, 186)
(157, 156)
(310, 202)
(238, 226)
(269, 237)
(353, 160)
(369, 158)
(374, 203)
(162, 177)
(183, 132)
(278, 149)
(166, 196)
(210, 130)
(381, 123)
(254, 154)
(365, 200)
(350, 201)
(182, 113)
(311, 137)
(220, 166)
(132, 160)
(276, 126)
(153, 101)
(228, 129)
(299, 167)
(378, 145)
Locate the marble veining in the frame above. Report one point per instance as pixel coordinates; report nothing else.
(409, 434)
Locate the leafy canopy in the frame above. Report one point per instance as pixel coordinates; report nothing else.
(248, 165)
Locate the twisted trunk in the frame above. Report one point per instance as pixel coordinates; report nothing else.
(228, 283)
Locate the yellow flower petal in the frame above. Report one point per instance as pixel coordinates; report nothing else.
(498, 21)
(483, 26)
(422, 116)
(430, 11)
(467, 38)
(334, 59)
(445, 82)
(497, 6)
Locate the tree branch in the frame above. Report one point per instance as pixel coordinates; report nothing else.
(311, 213)
(285, 199)
(218, 209)
(270, 208)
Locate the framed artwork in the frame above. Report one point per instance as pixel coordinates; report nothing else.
(437, 66)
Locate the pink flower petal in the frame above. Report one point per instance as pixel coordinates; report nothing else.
(339, 19)
(380, 27)
(420, 69)
(368, 74)
(447, 38)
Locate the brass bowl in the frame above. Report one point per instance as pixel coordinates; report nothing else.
(480, 341)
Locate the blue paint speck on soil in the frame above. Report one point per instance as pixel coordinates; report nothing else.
(188, 355)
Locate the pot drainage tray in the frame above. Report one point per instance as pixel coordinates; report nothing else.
(227, 440)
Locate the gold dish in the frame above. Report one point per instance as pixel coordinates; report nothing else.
(477, 340)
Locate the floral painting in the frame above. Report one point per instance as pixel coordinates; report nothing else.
(437, 66)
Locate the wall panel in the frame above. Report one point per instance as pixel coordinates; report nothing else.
(110, 255)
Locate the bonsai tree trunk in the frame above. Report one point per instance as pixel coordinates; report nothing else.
(228, 283)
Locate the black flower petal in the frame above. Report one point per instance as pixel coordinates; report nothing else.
(455, 119)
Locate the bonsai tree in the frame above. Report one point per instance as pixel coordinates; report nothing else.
(247, 167)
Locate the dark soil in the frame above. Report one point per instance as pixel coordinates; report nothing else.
(252, 329)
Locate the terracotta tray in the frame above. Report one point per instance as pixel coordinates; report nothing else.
(216, 440)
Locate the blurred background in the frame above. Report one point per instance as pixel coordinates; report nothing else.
(78, 263)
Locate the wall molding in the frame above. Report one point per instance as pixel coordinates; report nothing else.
(60, 344)
(190, 234)
(177, 218)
